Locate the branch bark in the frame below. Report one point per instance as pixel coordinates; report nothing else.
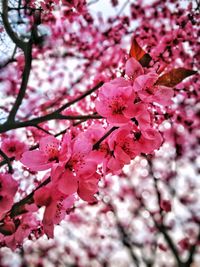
(25, 77)
(7, 161)
(10, 124)
(13, 36)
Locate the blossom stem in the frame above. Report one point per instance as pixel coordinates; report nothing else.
(97, 144)
(18, 208)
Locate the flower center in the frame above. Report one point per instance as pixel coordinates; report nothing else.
(117, 106)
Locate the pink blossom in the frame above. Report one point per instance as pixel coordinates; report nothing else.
(25, 225)
(8, 188)
(94, 133)
(184, 243)
(56, 205)
(42, 159)
(7, 227)
(88, 186)
(142, 115)
(121, 142)
(149, 140)
(78, 174)
(165, 205)
(49, 153)
(13, 147)
(133, 68)
(148, 92)
(66, 179)
(115, 101)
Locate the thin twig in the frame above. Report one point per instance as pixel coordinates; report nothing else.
(160, 226)
(89, 92)
(97, 144)
(7, 161)
(3, 65)
(43, 130)
(18, 208)
(192, 251)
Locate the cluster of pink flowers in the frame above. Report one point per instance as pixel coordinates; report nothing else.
(127, 128)
(122, 123)
(65, 144)
(73, 163)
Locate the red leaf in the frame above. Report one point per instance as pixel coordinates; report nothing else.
(174, 77)
(145, 60)
(136, 51)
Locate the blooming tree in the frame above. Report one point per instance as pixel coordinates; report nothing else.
(100, 119)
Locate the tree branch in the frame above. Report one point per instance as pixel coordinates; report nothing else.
(192, 251)
(3, 65)
(52, 116)
(97, 144)
(160, 226)
(25, 77)
(7, 161)
(169, 241)
(124, 237)
(13, 36)
(9, 125)
(18, 208)
(90, 91)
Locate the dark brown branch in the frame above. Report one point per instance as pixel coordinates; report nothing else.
(9, 125)
(124, 237)
(162, 229)
(170, 242)
(13, 36)
(3, 162)
(127, 243)
(89, 92)
(25, 77)
(52, 116)
(155, 181)
(192, 251)
(18, 208)
(7, 161)
(3, 65)
(97, 144)
(160, 226)
(27, 49)
(43, 130)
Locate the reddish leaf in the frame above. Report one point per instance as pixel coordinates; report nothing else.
(174, 77)
(136, 51)
(145, 60)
